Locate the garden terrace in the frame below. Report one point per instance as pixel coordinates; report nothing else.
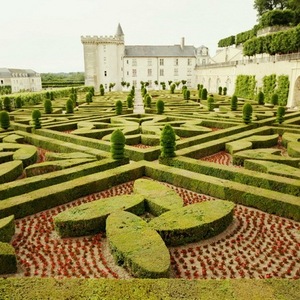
(260, 243)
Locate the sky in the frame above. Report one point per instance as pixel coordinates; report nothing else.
(44, 35)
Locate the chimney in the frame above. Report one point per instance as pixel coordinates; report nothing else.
(182, 43)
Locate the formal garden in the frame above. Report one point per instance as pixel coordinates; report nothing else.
(199, 194)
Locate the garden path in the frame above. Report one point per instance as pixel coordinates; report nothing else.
(138, 103)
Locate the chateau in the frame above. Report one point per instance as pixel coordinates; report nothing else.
(20, 80)
(107, 60)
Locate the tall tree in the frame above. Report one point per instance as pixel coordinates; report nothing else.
(263, 6)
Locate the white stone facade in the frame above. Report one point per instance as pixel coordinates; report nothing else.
(20, 80)
(107, 60)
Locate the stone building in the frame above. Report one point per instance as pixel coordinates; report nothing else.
(20, 80)
(108, 60)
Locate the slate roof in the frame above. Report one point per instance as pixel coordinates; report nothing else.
(7, 73)
(160, 51)
(119, 31)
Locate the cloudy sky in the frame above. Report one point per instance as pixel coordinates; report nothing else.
(45, 35)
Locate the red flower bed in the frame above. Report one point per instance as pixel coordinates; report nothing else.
(256, 245)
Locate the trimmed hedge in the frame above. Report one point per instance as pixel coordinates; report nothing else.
(194, 222)
(26, 153)
(248, 177)
(7, 229)
(90, 218)
(266, 200)
(273, 168)
(27, 185)
(136, 246)
(54, 195)
(8, 260)
(267, 154)
(150, 289)
(47, 167)
(158, 197)
(10, 171)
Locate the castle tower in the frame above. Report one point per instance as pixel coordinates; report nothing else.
(103, 59)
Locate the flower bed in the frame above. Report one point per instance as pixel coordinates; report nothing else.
(256, 245)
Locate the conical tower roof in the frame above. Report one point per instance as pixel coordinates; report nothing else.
(119, 31)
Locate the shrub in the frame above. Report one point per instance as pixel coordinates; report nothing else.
(1, 105)
(102, 92)
(129, 101)
(148, 101)
(18, 102)
(52, 96)
(7, 104)
(36, 114)
(204, 94)
(160, 107)
(233, 103)
(48, 106)
(224, 90)
(280, 114)
(220, 90)
(274, 99)
(119, 107)
(172, 88)
(117, 141)
(4, 120)
(168, 142)
(247, 113)
(210, 103)
(261, 98)
(187, 94)
(89, 98)
(69, 106)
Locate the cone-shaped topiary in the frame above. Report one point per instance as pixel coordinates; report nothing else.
(172, 88)
(129, 101)
(220, 89)
(210, 103)
(234, 103)
(89, 97)
(7, 104)
(224, 90)
(119, 107)
(160, 107)
(69, 106)
(274, 99)
(18, 102)
(168, 142)
(4, 120)
(280, 114)
(204, 94)
(48, 106)
(36, 114)
(261, 98)
(247, 113)
(117, 141)
(148, 101)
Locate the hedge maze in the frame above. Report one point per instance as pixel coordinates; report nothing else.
(226, 206)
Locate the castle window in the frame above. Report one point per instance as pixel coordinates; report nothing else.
(203, 61)
(189, 61)
(134, 62)
(149, 62)
(149, 72)
(161, 61)
(189, 72)
(161, 72)
(104, 48)
(127, 61)
(134, 73)
(176, 62)
(105, 73)
(175, 71)
(104, 58)
(1, 81)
